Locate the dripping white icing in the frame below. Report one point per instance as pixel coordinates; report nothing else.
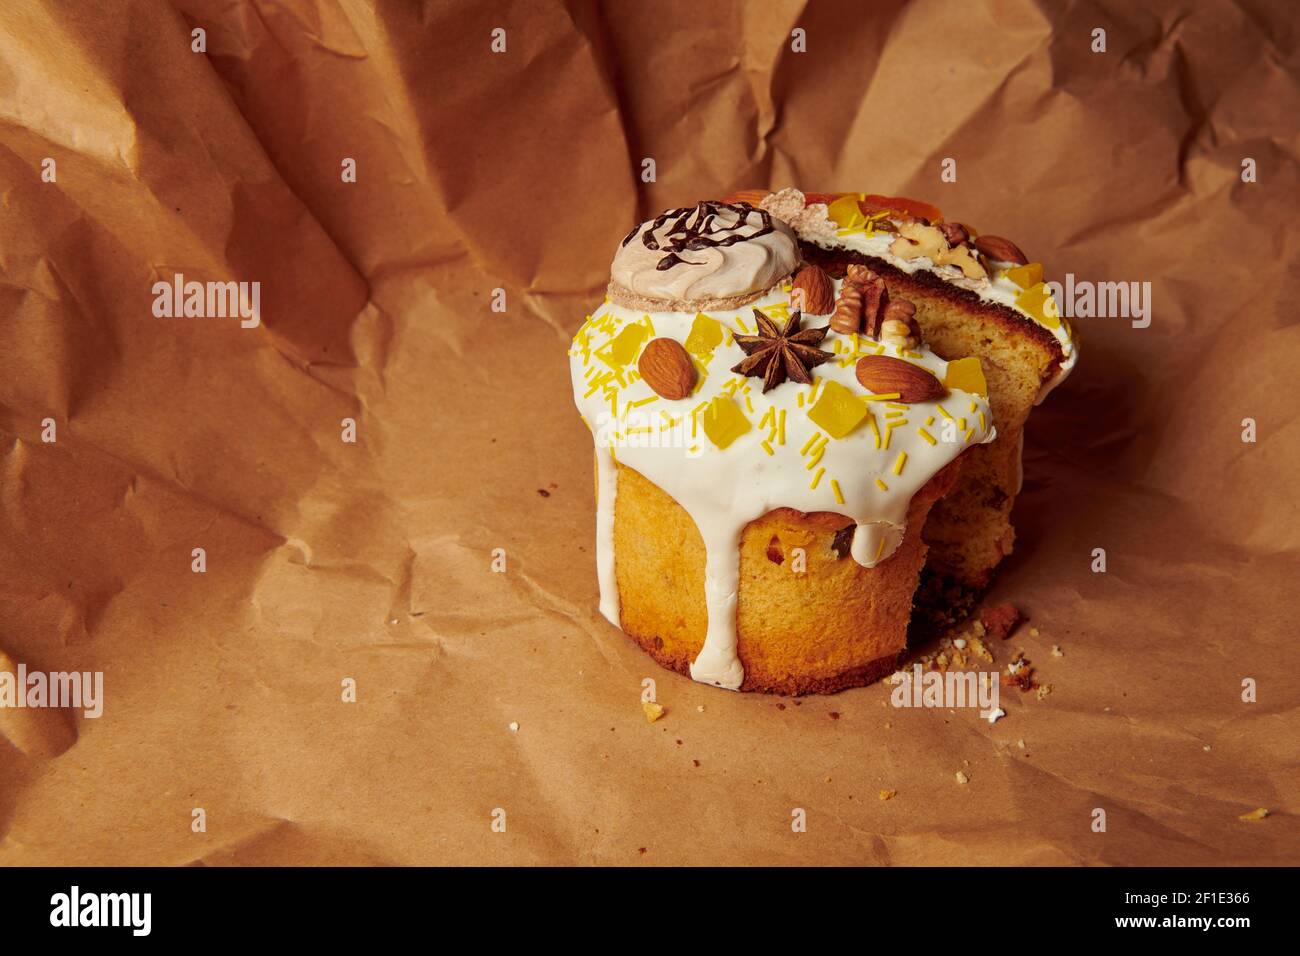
(606, 492)
(723, 489)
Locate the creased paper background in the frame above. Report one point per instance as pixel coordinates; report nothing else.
(520, 170)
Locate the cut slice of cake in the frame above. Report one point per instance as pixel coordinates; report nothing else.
(975, 295)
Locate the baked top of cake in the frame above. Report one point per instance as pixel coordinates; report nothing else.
(716, 370)
(913, 237)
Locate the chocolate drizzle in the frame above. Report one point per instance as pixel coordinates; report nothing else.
(699, 227)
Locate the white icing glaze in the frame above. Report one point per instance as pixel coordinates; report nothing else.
(757, 262)
(723, 489)
(606, 493)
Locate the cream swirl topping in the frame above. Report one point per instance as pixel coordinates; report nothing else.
(712, 250)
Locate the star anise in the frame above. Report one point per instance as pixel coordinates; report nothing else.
(776, 353)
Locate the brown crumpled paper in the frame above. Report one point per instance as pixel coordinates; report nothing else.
(328, 560)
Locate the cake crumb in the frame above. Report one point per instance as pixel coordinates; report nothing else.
(960, 643)
(700, 708)
(1043, 691)
(1033, 632)
(835, 715)
(1056, 651)
(1254, 815)
(995, 715)
(695, 763)
(514, 726)
(1021, 743)
(1000, 620)
(962, 778)
(888, 794)
(652, 710)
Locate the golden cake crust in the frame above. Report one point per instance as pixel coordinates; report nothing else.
(833, 626)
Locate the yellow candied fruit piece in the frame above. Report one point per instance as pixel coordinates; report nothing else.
(623, 349)
(1040, 305)
(966, 374)
(705, 336)
(723, 421)
(1026, 276)
(845, 212)
(838, 411)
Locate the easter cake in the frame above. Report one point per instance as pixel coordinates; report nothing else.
(771, 435)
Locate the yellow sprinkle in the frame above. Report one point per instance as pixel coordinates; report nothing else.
(639, 430)
(969, 436)
(644, 401)
(817, 477)
(961, 424)
(800, 398)
(898, 405)
(875, 432)
(973, 406)
(944, 412)
(902, 460)
(881, 485)
(887, 396)
(817, 456)
(881, 549)
(745, 328)
(821, 443)
(929, 419)
(889, 433)
(782, 427)
(767, 416)
(809, 443)
(893, 414)
(749, 404)
(767, 448)
(926, 435)
(835, 487)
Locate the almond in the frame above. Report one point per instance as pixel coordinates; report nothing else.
(667, 369)
(1000, 250)
(883, 374)
(814, 287)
